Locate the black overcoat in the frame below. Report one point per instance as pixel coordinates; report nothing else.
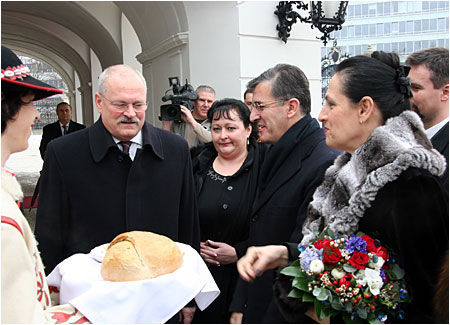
(280, 209)
(53, 130)
(440, 143)
(91, 192)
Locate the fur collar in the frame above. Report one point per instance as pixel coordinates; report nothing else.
(353, 181)
(10, 185)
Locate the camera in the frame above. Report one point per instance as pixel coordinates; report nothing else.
(181, 95)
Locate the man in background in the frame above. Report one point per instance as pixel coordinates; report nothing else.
(429, 85)
(194, 127)
(63, 126)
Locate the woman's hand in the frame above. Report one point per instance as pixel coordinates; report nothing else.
(217, 253)
(236, 318)
(260, 259)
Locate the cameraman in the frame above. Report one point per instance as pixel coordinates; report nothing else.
(194, 128)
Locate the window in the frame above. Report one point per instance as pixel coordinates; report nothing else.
(409, 47)
(417, 45)
(351, 11)
(358, 11)
(433, 5)
(357, 30)
(357, 49)
(432, 43)
(387, 47)
(441, 23)
(433, 24)
(372, 30)
(372, 10)
(446, 23)
(365, 10)
(395, 7)
(395, 47)
(380, 9)
(379, 29)
(365, 30)
(402, 7)
(324, 51)
(401, 47)
(402, 27)
(394, 28)
(425, 25)
(344, 32)
(441, 42)
(441, 4)
(351, 50)
(409, 26)
(425, 6)
(387, 8)
(417, 26)
(387, 28)
(425, 44)
(351, 31)
(410, 6)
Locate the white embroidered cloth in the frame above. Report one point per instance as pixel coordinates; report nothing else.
(148, 301)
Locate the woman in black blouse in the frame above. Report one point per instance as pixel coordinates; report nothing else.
(226, 174)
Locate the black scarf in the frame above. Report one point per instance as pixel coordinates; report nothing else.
(278, 153)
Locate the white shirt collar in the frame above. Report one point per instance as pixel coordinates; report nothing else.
(136, 144)
(431, 132)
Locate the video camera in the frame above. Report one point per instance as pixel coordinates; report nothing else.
(181, 95)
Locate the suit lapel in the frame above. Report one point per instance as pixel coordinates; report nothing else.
(440, 139)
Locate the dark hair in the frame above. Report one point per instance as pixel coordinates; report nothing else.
(436, 60)
(11, 104)
(63, 103)
(377, 77)
(288, 81)
(248, 91)
(221, 108)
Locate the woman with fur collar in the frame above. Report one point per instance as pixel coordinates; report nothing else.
(384, 184)
(25, 292)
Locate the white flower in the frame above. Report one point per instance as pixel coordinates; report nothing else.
(316, 266)
(378, 265)
(337, 273)
(374, 280)
(360, 278)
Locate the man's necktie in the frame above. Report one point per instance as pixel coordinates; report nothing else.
(125, 146)
(65, 129)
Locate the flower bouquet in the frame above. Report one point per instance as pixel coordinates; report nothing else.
(353, 277)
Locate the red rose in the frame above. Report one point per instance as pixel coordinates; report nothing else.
(381, 252)
(331, 254)
(359, 260)
(321, 243)
(370, 243)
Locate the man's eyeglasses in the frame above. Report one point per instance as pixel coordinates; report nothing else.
(121, 106)
(261, 106)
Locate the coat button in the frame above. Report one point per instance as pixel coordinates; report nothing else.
(230, 188)
(254, 219)
(120, 158)
(225, 206)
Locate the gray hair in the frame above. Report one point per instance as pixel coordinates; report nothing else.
(205, 89)
(436, 60)
(288, 81)
(103, 78)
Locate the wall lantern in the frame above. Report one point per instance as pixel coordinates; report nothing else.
(327, 16)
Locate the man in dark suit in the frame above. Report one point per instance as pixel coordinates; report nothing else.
(429, 85)
(120, 174)
(63, 126)
(293, 167)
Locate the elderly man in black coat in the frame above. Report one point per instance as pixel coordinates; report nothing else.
(293, 167)
(120, 174)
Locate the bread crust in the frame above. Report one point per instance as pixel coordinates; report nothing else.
(140, 255)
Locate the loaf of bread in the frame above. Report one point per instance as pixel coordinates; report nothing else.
(140, 255)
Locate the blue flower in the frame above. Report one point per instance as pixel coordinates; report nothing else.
(356, 244)
(383, 275)
(309, 255)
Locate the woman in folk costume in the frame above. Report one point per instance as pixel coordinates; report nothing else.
(25, 293)
(385, 183)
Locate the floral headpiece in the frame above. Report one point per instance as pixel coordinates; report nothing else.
(403, 80)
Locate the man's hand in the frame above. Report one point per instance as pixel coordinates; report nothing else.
(217, 253)
(186, 314)
(260, 259)
(187, 116)
(236, 318)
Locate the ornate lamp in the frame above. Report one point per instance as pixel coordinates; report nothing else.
(327, 16)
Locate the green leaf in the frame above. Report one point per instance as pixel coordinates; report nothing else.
(296, 263)
(318, 308)
(348, 320)
(295, 293)
(362, 313)
(399, 272)
(293, 271)
(348, 307)
(348, 268)
(307, 297)
(336, 303)
(322, 296)
(301, 284)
